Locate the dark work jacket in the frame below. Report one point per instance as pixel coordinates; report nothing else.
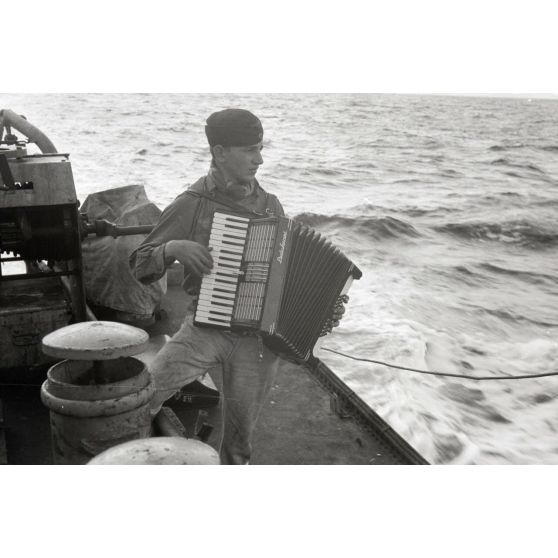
(189, 216)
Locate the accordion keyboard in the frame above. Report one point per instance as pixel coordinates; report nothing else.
(218, 288)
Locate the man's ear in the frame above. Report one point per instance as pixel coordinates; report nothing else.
(219, 153)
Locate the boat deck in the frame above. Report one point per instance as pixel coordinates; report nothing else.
(307, 419)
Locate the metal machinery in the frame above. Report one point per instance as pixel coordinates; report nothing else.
(39, 220)
(39, 226)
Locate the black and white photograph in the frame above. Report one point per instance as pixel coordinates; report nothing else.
(314, 246)
(427, 221)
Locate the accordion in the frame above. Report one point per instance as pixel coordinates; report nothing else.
(273, 276)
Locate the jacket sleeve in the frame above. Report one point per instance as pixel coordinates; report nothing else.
(148, 262)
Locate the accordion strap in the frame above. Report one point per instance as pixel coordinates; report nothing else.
(216, 198)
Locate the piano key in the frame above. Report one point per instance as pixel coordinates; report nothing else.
(214, 300)
(225, 230)
(233, 228)
(231, 271)
(226, 259)
(212, 321)
(229, 234)
(226, 267)
(226, 264)
(221, 292)
(222, 238)
(212, 284)
(222, 275)
(227, 239)
(204, 306)
(225, 242)
(226, 250)
(233, 219)
(222, 297)
(206, 313)
(222, 306)
(225, 286)
(218, 290)
(226, 247)
(224, 272)
(212, 295)
(220, 252)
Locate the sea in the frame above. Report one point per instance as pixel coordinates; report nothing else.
(448, 205)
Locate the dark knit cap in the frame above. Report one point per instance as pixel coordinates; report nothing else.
(233, 128)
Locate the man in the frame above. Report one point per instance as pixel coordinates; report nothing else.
(182, 233)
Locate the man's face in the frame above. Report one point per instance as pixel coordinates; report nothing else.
(241, 163)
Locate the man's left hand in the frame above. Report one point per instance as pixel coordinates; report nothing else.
(337, 314)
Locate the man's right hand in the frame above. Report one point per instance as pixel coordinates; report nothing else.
(195, 257)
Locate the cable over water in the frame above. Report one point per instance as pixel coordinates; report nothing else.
(434, 373)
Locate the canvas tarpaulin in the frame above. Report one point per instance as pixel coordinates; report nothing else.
(108, 279)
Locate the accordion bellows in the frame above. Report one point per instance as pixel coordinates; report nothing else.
(273, 276)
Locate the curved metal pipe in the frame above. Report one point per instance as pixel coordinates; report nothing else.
(10, 118)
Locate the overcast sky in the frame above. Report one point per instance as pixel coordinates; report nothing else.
(398, 46)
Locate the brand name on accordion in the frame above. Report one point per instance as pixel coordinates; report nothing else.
(282, 248)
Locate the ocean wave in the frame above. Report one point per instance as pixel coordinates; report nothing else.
(539, 398)
(420, 212)
(508, 316)
(503, 161)
(367, 165)
(518, 232)
(527, 276)
(546, 202)
(322, 170)
(450, 173)
(431, 143)
(374, 227)
(496, 198)
(506, 147)
(406, 181)
(463, 274)
(367, 207)
(474, 399)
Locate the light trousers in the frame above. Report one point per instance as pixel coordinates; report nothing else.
(248, 371)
